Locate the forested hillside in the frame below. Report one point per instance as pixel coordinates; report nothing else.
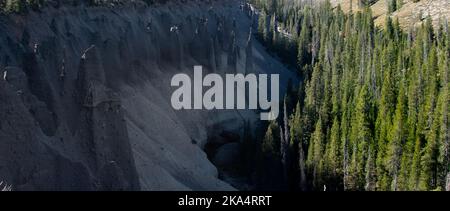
(372, 113)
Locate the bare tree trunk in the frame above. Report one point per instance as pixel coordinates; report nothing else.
(283, 149)
(447, 185)
(302, 167)
(286, 127)
(286, 144)
(370, 184)
(314, 46)
(396, 162)
(345, 164)
(351, 6)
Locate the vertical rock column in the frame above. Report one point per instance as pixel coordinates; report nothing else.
(249, 53)
(212, 55)
(104, 128)
(233, 51)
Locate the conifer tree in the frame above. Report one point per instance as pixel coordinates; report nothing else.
(397, 139)
(441, 124)
(296, 139)
(315, 153)
(334, 158)
(262, 25)
(361, 134)
(271, 142)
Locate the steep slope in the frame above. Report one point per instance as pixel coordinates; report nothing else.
(86, 100)
(409, 14)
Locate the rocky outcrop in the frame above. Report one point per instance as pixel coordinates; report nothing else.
(410, 14)
(103, 127)
(28, 158)
(86, 100)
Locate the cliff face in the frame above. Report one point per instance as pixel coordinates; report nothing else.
(85, 100)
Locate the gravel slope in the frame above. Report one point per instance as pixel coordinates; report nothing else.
(86, 101)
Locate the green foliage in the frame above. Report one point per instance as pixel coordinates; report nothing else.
(392, 5)
(15, 6)
(374, 102)
(271, 142)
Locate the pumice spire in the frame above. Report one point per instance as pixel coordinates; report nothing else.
(62, 74)
(36, 48)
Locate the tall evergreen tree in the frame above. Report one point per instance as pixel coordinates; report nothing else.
(397, 139)
(362, 134)
(315, 153)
